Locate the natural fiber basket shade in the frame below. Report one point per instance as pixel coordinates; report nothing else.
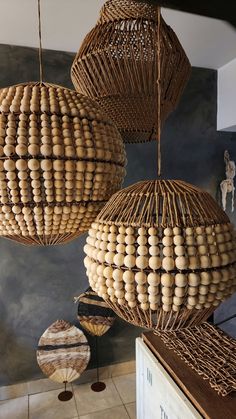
(63, 352)
(94, 314)
(61, 159)
(117, 66)
(162, 254)
(209, 351)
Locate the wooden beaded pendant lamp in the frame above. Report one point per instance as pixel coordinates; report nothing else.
(162, 254)
(117, 66)
(61, 159)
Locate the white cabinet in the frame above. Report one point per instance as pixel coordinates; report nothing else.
(158, 396)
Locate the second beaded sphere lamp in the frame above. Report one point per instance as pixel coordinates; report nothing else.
(162, 254)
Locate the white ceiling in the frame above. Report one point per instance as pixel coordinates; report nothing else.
(208, 42)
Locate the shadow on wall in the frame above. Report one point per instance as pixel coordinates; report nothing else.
(16, 356)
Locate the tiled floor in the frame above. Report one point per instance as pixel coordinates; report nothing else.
(117, 401)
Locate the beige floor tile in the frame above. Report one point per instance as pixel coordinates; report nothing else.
(117, 412)
(47, 406)
(40, 386)
(14, 408)
(131, 409)
(88, 401)
(122, 368)
(14, 391)
(125, 385)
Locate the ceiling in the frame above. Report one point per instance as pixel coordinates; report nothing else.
(208, 42)
(210, 8)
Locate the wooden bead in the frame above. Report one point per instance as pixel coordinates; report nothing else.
(118, 259)
(153, 290)
(194, 279)
(167, 241)
(168, 263)
(181, 262)
(168, 251)
(142, 250)
(152, 231)
(177, 300)
(178, 240)
(215, 260)
(192, 290)
(167, 280)
(129, 287)
(153, 279)
(203, 289)
(128, 277)
(33, 164)
(179, 250)
(9, 165)
(130, 249)
(140, 278)
(118, 275)
(109, 257)
(154, 251)
(153, 299)
(142, 262)
(154, 262)
(168, 232)
(153, 240)
(177, 231)
(120, 248)
(107, 272)
(141, 289)
(181, 280)
(166, 307)
(144, 306)
(142, 240)
(215, 278)
(192, 301)
(129, 239)
(180, 292)
(129, 261)
(167, 292)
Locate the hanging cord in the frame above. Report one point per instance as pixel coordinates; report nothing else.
(40, 44)
(159, 91)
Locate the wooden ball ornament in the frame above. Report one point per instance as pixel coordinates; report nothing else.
(165, 274)
(40, 165)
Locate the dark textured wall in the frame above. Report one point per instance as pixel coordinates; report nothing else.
(37, 285)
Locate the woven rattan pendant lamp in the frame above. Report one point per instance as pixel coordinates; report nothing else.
(117, 66)
(61, 159)
(162, 254)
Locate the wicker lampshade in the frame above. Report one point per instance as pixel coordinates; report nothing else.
(162, 254)
(120, 61)
(63, 352)
(94, 314)
(61, 159)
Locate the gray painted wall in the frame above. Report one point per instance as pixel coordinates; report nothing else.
(37, 285)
